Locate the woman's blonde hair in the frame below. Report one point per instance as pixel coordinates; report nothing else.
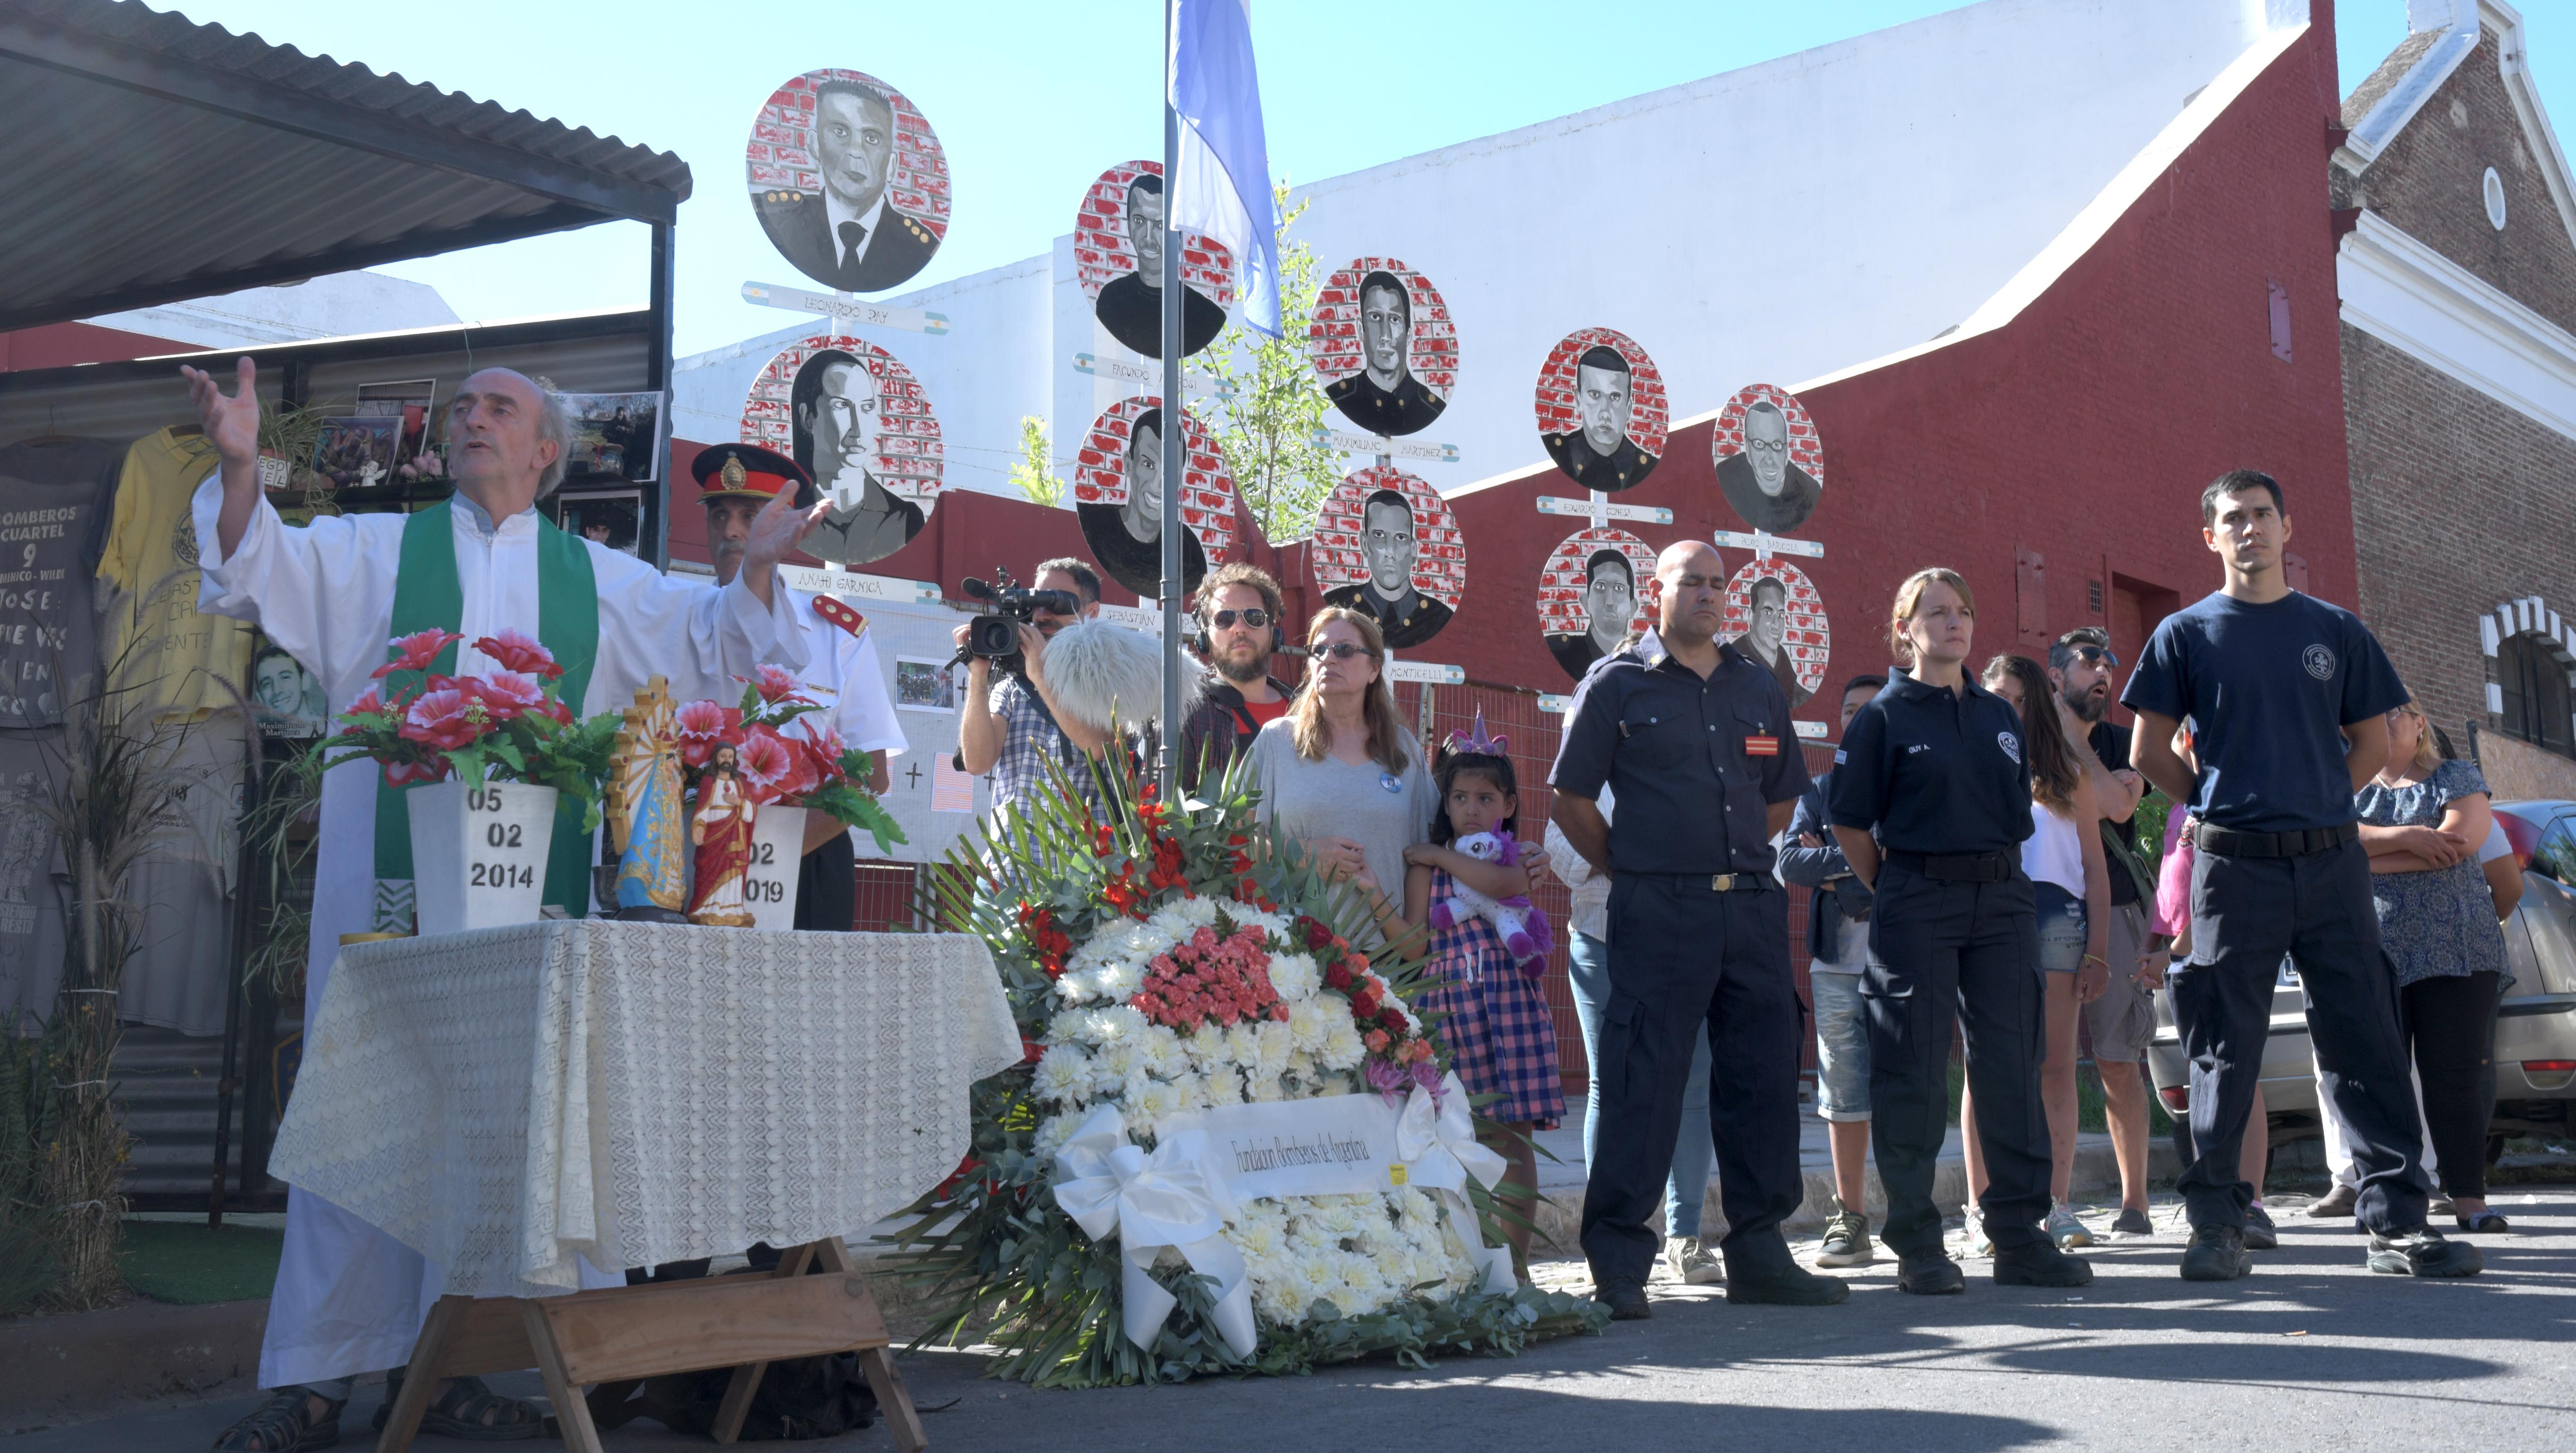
(1910, 594)
(2428, 752)
(1313, 734)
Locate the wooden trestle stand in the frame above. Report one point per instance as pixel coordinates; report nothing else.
(742, 1322)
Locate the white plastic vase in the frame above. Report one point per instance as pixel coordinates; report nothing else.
(478, 855)
(777, 856)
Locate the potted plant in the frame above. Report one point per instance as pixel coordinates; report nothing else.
(483, 762)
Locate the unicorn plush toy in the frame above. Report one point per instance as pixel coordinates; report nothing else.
(1519, 923)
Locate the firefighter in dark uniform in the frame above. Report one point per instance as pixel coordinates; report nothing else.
(2288, 698)
(1695, 740)
(1930, 798)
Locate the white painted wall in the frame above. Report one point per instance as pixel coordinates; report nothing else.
(333, 306)
(1771, 223)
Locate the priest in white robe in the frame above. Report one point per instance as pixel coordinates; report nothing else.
(349, 1299)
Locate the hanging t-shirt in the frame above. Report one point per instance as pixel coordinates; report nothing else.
(31, 901)
(53, 513)
(182, 964)
(2269, 689)
(181, 660)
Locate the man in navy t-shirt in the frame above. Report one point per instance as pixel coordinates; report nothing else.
(2288, 698)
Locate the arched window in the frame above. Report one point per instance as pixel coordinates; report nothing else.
(2533, 679)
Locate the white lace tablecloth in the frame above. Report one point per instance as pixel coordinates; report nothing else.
(505, 1100)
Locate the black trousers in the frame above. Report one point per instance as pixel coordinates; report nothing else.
(827, 887)
(2245, 914)
(2451, 1023)
(1681, 956)
(1964, 954)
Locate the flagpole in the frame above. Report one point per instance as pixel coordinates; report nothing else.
(1175, 447)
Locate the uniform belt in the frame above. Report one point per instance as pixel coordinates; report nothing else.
(1959, 867)
(2227, 842)
(1714, 882)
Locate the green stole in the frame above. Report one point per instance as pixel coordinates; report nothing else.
(426, 595)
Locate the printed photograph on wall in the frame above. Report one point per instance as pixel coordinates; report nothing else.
(614, 436)
(1601, 409)
(1118, 493)
(613, 517)
(848, 180)
(857, 420)
(1386, 543)
(924, 684)
(1589, 596)
(1383, 344)
(286, 700)
(1775, 616)
(1118, 260)
(1770, 461)
(412, 401)
(357, 453)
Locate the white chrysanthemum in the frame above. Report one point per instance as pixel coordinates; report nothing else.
(1294, 977)
(1153, 1101)
(1349, 1300)
(1261, 1089)
(1111, 1026)
(1052, 1135)
(1342, 1048)
(1258, 1239)
(1310, 1023)
(1207, 1044)
(1272, 1047)
(1222, 1085)
(1301, 1072)
(1115, 1065)
(1414, 1207)
(1119, 979)
(1069, 1025)
(1162, 1054)
(1187, 916)
(1064, 1073)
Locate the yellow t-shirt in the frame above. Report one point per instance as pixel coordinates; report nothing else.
(153, 638)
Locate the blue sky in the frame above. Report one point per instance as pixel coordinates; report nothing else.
(1031, 101)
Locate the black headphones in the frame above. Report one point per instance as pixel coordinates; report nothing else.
(1278, 633)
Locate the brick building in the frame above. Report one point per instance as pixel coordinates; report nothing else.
(2458, 279)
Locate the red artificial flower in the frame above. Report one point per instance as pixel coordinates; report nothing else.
(505, 694)
(555, 711)
(370, 703)
(824, 748)
(399, 775)
(414, 652)
(517, 652)
(446, 720)
(705, 726)
(771, 769)
(777, 684)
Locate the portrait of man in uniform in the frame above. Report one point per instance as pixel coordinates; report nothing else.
(1126, 538)
(1389, 546)
(1766, 486)
(1131, 306)
(1609, 609)
(1766, 639)
(1384, 397)
(848, 236)
(838, 408)
(1599, 452)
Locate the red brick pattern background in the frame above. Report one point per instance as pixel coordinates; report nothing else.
(1808, 639)
(1102, 253)
(1650, 411)
(1561, 581)
(911, 455)
(1207, 487)
(1440, 571)
(781, 150)
(1806, 446)
(1333, 343)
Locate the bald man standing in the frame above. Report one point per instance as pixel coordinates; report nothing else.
(350, 1299)
(1693, 737)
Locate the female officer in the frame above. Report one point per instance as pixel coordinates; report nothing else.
(1930, 799)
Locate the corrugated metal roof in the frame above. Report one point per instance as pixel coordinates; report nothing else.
(149, 158)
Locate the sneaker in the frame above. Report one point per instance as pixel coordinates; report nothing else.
(1979, 1243)
(1846, 1240)
(1929, 1275)
(1688, 1260)
(2339, 1202)
(2065, 1228)
(1626, 1300)
(2040, 1265)
(2260, 1233)
(2423, 1252)
(2216, 1253)
(2132, 1226)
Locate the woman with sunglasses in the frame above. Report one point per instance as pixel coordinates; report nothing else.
(1340, 777)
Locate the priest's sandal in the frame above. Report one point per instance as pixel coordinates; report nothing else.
(469, 1410)
(284, 1424)
(2216, 1253)
(2040, 1264)
(1930, 1274)
(2423, 1252)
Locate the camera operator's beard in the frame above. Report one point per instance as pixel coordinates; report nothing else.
(1245, 671)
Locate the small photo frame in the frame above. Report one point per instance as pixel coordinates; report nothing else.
(924, 683)
(357, 453)
(613, 517)
(614, 436)
(413, 402)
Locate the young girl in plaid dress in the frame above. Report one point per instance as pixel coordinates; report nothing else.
(1500, 1036)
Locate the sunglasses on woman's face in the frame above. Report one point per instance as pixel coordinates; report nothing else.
(1343, 651)
(1256, 618)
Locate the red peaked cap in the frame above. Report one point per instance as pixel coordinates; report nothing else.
(749, 471)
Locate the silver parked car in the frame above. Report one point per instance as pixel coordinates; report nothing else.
(2535, 1031)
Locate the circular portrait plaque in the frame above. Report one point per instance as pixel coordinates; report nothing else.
(1770, 460)
(1383, 344)
(848, 180)
(852, 414)
(1601, 409)
(1590, 595)
(1386, 543)
(1123, 523)
(1774, 615)
(1118, 259)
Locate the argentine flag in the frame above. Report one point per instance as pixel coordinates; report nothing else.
(1223, 189)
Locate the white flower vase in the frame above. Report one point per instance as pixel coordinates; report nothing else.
(777, 856)
(478, 855)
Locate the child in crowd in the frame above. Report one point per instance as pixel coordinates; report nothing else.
(1501, 1038)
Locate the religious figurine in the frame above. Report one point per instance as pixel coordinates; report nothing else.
(644, 810)
(722, 832)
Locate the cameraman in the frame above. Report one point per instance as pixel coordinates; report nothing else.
(1011, 727)
(1240, 624)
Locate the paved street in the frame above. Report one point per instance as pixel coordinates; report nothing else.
(2312, 1352)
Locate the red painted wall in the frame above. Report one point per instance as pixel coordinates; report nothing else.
(59, 345)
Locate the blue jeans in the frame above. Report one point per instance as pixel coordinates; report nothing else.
(1694, 1148)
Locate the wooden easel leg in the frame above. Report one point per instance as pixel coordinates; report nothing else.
(746, 1379)
(893, 1398)
(428, 1355)
(572, 1414)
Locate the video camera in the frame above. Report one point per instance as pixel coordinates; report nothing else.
(995, 635)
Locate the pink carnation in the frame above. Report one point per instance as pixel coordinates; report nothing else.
(414, 652)
(518, 652)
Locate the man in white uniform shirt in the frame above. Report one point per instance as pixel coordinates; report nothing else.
(350, 1299)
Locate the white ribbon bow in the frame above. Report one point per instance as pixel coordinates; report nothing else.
(1171, 1197)
(1436, 1138)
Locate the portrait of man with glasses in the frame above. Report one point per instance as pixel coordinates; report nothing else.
(1763, 483)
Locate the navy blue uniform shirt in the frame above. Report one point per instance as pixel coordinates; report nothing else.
(2269, 690)
(1695, 763)
(1933, 771)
